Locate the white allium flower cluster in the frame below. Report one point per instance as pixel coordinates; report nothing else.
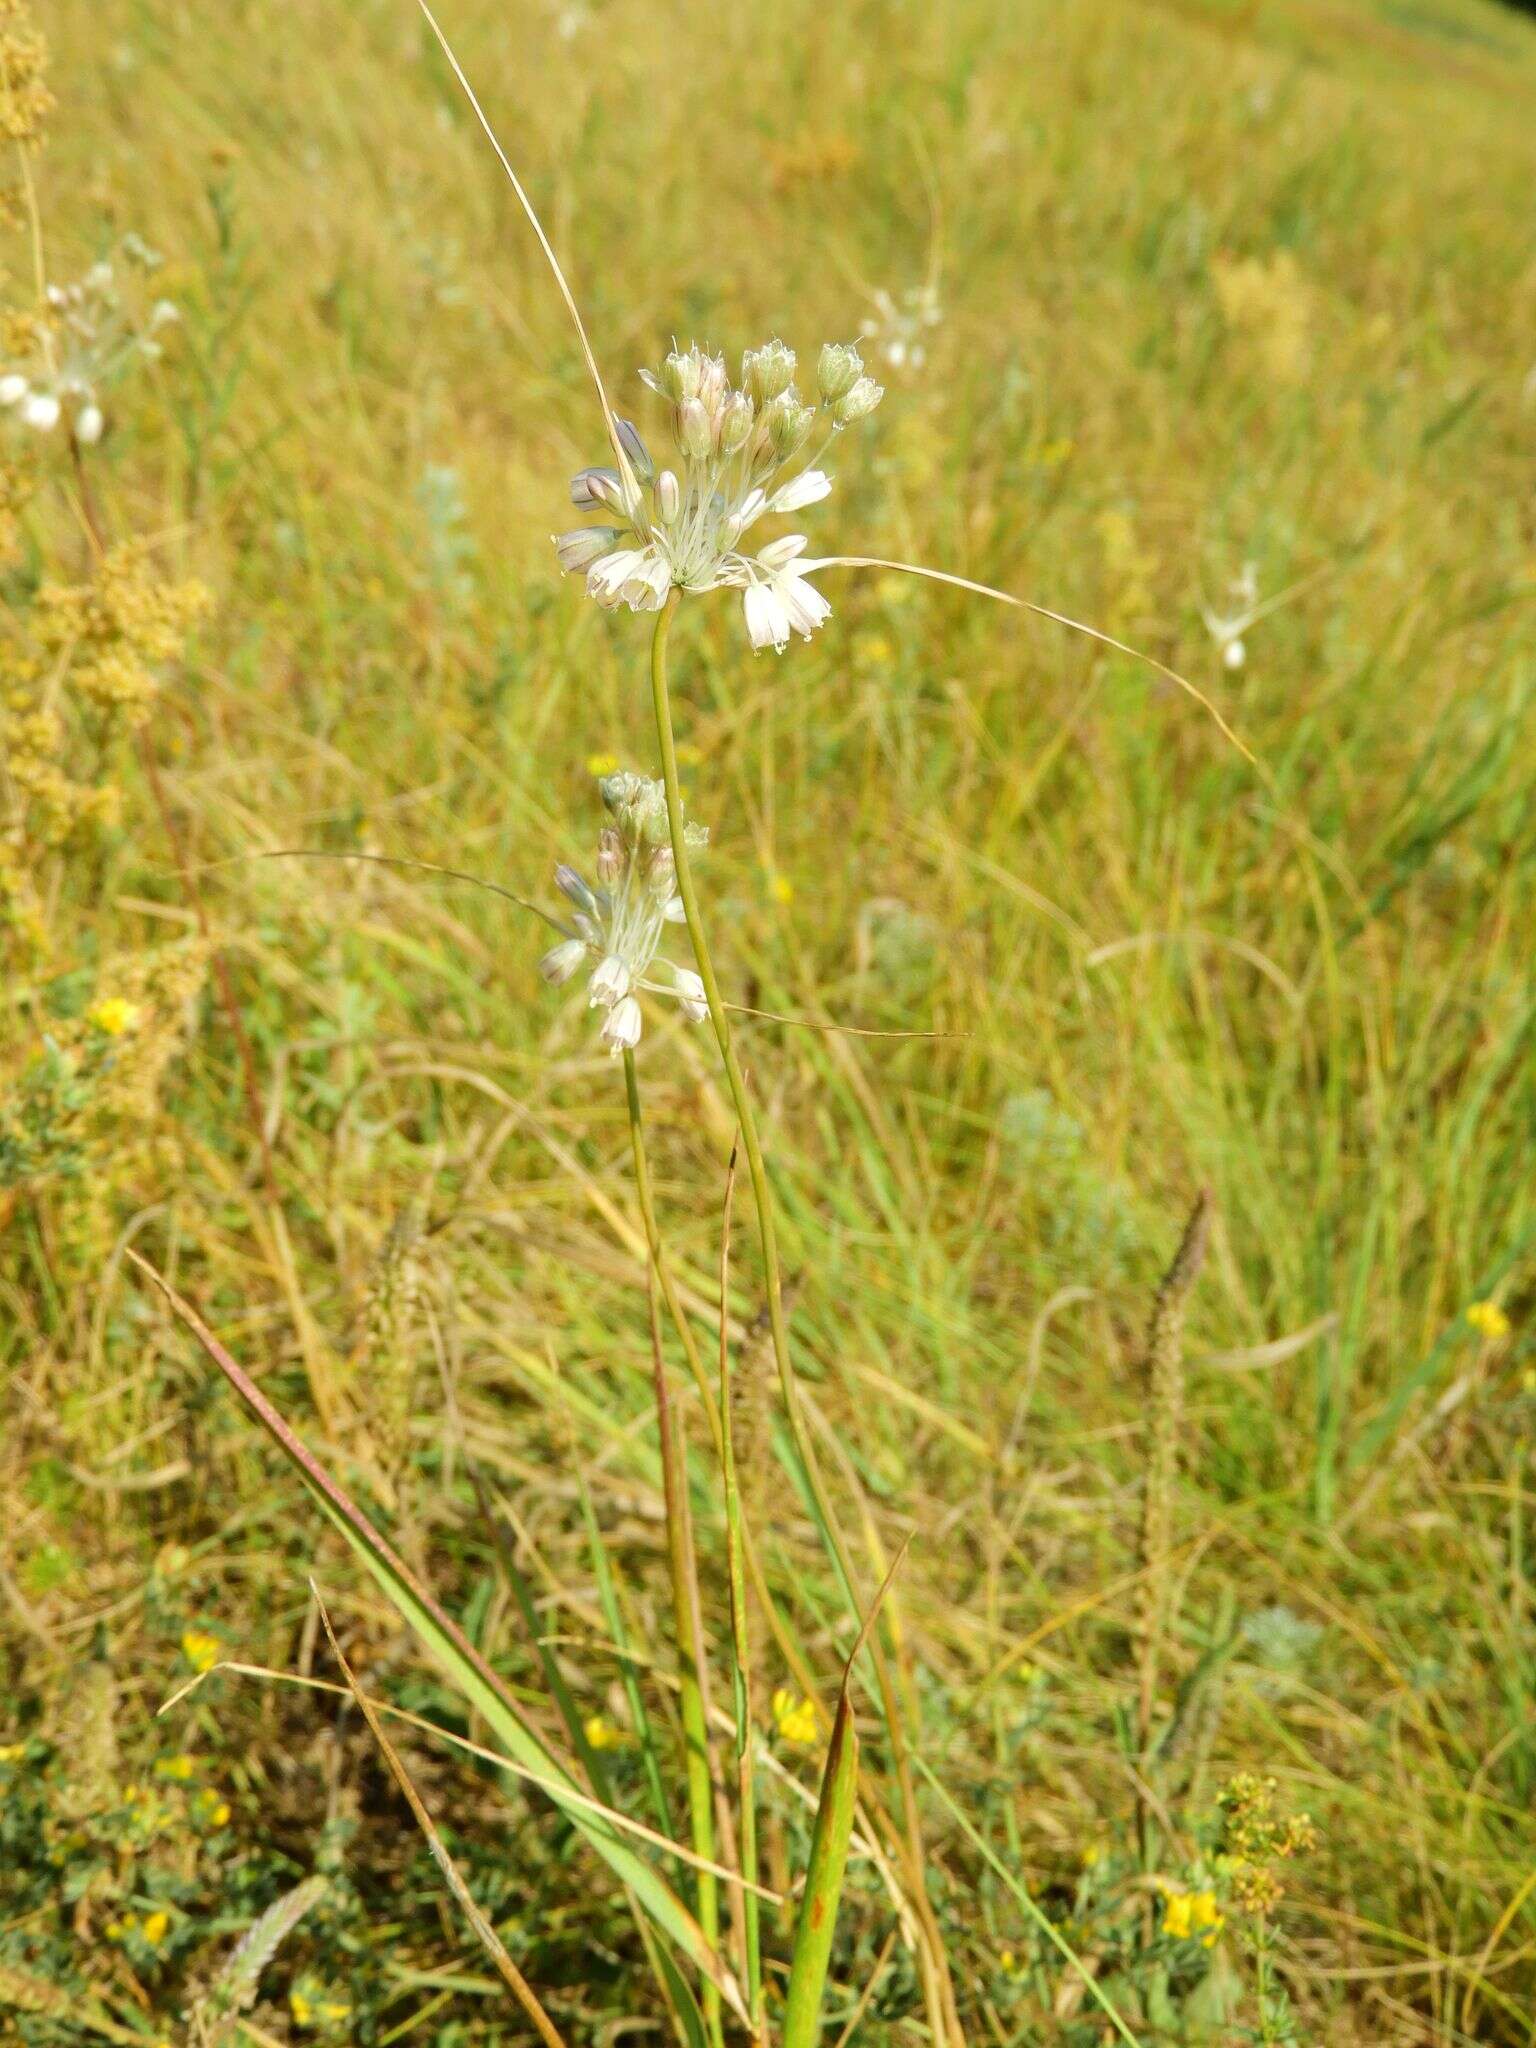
(86, 336)
(898, 332)
(740, 454)
(617, 928)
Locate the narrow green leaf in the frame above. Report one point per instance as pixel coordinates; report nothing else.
(460, 1660)
(823, 1882)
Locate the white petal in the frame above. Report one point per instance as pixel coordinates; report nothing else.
(40, 409)
(88, 425)
(779, 553)
(12, 389)
(609, 983)
(767, 620)
(690, 993)
(621, 1027)
(674, 912)
(607, 576)
(804, 603)
(807, 489)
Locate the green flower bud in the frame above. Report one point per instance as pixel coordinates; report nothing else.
(767, 371)
(857, 403)
(695, 435)
(840, 368)
(735, 423)
(788, 422)
(679, 376)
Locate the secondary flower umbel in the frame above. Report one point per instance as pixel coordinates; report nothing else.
(740, 454)
(83, 338)
(618, 926)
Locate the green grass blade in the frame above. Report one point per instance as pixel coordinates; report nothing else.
(823, 1882)
(463, 1664)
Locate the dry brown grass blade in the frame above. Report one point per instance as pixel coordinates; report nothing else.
(485, 1933)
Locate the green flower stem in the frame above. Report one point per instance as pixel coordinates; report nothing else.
(686, 1611)
(940, 1994)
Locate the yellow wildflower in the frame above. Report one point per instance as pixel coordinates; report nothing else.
(302, 2009)
(781, 889)
(1178, 1914)
(1206, 1918)
(1489, 1320)
(12, 1752)
(156, 1928)
(795, 1720)
(202, 1651)
(1092, 1852)
(602, 764)
(601, 1733)
(210, 1807)
(114, 1015)
(180, 1767)
(689, 755)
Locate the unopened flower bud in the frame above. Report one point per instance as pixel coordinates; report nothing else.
(788, 424)
(713, 384)
(562, 961)
(694, 433)
(591, 488)
(13, 389)
(767, 371)
(88, 425)
(840, 368)
(584, 545)
(610, 855)
(40, 409)
(669, 499)
(679, 376)
(661, 873)
(635, 449)
(735, 423)
(857, 403)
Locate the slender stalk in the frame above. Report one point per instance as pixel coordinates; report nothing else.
(741, 1648)
(685, 1593)
(943, 2014)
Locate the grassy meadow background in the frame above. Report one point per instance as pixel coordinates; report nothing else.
(1219, 284)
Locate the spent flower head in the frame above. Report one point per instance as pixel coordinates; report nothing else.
(63, 358)
(739, 453)
(616, 930)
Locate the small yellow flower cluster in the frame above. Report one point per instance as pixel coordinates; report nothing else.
(201, 1650)
(1489, 1320)
(122, 626)
(25, 101)
(1255, 1838)
(1192, 1916)
(82, 667)
(794, 1719)
(114, 1015)
(152, 1929)
(313, 2008)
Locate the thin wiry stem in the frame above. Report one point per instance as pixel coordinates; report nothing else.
(741, 1648)
(1041, 611)
(686, 1611)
